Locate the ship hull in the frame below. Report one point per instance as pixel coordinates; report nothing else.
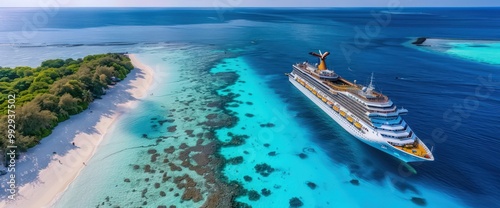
(370, 138)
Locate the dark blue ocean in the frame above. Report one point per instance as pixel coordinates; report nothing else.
(453, 102)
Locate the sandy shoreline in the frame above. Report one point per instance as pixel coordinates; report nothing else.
(45, 175)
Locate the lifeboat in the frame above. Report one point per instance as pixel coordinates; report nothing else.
(323, 99)
(336, 108)
(350, 119)
(357, 125)
(314, 92)
(342, 113)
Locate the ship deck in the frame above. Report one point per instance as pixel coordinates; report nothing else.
(418, 150)
(354, 107)
(344, 85)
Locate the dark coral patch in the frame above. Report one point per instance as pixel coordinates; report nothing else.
(249, 115)
(269, 125)
(183, 146)
(235, 160)
(166, 121)
(247, 178)
(354, 182)
(192, 193)
(147, 168)
(264, 169)
(165, 178)
(222, 120)
(172, 128)
(190, 133)
(235, 141)
(215, 104)
(295, 202)
(266, 192)
(154, 157)
(253, 195)
(174, 167)
(170, 150)
(273, 153)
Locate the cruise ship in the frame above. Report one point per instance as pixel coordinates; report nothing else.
(365, 113)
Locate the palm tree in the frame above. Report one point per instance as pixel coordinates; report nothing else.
(87, 96)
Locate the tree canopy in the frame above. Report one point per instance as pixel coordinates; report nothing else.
(57, 89)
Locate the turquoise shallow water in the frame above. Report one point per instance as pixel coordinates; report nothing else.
(280, 146)
(481, 52)
(132, 137)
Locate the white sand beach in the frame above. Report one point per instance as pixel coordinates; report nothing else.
(45, 171)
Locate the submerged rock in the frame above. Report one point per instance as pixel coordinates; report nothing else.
(273, 153)
(302, 156)
(295, 202)
(419, 201)
(249, 115)
(419, 41)
(311, 185)
(354, 182)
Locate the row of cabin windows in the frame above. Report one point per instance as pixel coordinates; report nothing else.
(401, 137)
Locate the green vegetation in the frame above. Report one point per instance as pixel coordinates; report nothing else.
(52, 92)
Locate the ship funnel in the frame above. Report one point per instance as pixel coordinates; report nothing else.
(322, 57)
